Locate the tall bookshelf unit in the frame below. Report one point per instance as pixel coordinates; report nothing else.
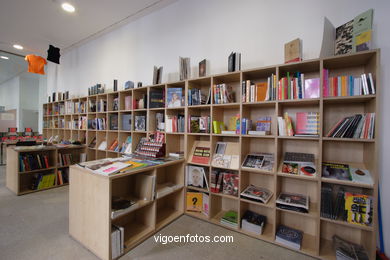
(317, 231)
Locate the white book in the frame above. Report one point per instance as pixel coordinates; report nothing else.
(282, 126)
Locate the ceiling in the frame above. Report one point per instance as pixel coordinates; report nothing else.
(35, 24)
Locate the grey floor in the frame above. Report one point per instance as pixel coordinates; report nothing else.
(35, 226)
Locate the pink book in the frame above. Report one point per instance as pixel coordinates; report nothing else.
(312, 88)
(325, 83)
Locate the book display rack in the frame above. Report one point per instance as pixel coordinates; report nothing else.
(31, 169)
(317, 231)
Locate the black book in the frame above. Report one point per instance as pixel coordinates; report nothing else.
(231, 62)
(289, 236)
(342, 128)
(254, 218)
(156, 98)
(351, 130)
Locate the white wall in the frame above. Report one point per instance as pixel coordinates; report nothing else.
(212, 29)
(29, 105)
(9, 96)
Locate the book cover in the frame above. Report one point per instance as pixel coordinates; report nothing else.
(140, 123)
(195, 176)
(264, 124)
(290, 235)
(113, 122)
(205, 204)
(202, 68)
(359, 208)
(175, 97)
(261, 91)
(312, 88)
(293, 199)
(230, 184)
(194, 201)
(361, 176)
(201, 155)
(293, 51)
(344, 38)
(253, 161)
(307, 123)
(336, 171)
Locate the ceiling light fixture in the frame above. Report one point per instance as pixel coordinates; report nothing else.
(68, 7)
(4, 57)
(17, 46)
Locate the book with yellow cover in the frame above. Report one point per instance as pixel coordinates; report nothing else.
(194, 201)
(261, 91)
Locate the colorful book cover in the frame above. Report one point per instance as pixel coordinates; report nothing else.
(175, 97)
(312, 88)
(201, 155)
(307, 123)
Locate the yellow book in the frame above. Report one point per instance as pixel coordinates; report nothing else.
(232, 123)
(194, 201)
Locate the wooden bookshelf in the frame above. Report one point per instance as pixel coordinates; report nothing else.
(317, 232)
(20, 182)
(90, 213)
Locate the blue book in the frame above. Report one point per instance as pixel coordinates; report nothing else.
(289, 236)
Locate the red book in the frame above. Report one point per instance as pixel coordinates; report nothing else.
(285, 85)
(280, 90)
(335, 87)
(201, 155)
(46, 161)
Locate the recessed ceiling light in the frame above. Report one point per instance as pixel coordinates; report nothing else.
(4, 57)
(68, 7)
(17, 46)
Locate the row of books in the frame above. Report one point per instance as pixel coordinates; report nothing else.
(345, 172)
(223, 94)
(117, 241)
(196, 97)
(351, 207)
(256, 92)
(74, 107)
(63, 176)
(307, 124)
(357, 126)
(296, 87)
(342, 86)
(199, 124)
(97, 123)
(31, 162)
(175, 124)
(42, 181)
(225, 182)
(65, 159)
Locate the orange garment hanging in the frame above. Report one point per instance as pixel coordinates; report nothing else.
(36, 64)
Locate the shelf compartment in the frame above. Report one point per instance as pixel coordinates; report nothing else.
(219, 205)
(268, 230)
(125, 121)
(175, 143)
(232, 80)
(255, 112)
(329, 229)
(173, 174)
(307, 225)
(258, 180)
(169, 208)
(202, 84)
(138, 225)
(300, 186)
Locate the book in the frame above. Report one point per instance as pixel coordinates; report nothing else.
(230, 184)
(299, 164)
(234, 62)
(194, 201)
(362, 31)
(312, 88)
(102, 145)
(344, 38)
(336, 171)
(202, 68)
(293, 201)
(255, 193)
(156, 98)
(263, 124)
(253, 222)
(196, 176)
(225, 155)
(111, 168)
(140, 123)
(126, 122)
(113, 118)
(205, 204)
(359, 208)
(201, 155)
(345, 250)
(307, 124)
(184, 68)
(289, 236)
(358, 126)
(157, 75)
(175, 97)
(359, 175)
(293, 51)
(230, 218)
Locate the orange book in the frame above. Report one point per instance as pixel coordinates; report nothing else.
(261, 91)
(343, 86)
(112, 147)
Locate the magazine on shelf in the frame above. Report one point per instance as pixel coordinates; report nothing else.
(255, 193)
(293, 201)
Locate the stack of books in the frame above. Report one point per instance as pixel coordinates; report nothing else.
(253, 222)
(230, 219)
(342, 86)
(289, 237)
(358, 126)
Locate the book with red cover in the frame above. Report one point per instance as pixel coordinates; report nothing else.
(230, 184)
(201, 155)
(307, 123)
